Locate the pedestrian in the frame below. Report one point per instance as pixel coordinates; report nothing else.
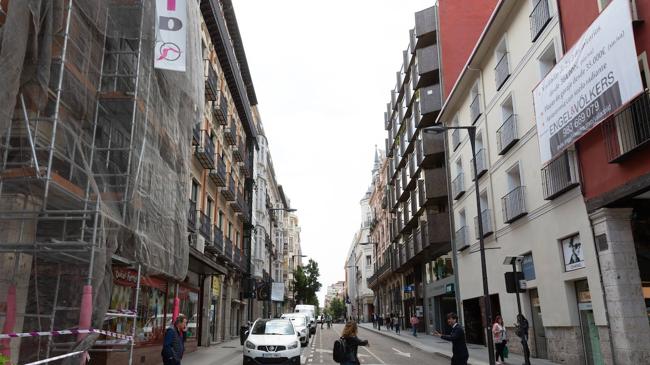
(380, 321)
(500, 338)
(522, 331)
(389, 321)
(374, 321)
(174, 343)
(414, 324)
(352, 342)
(457, 338)
(396, 323)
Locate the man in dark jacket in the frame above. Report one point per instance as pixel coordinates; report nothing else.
(457, 338)
(174, 343)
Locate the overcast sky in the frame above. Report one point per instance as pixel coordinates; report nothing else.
(323, 71)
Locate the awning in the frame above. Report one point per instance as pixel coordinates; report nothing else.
(203, 265)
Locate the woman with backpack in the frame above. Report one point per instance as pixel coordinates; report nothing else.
(350, 343)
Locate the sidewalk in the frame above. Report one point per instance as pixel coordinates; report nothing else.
(477, 353)
(221, 353)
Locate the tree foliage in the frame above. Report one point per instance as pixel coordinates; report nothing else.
(336, 308)
(306, 284)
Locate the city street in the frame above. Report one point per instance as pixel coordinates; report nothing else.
(382, 350)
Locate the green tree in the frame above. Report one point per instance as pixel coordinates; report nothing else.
(306, 284)
(336, 308)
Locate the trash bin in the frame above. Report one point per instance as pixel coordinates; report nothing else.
(243, 333)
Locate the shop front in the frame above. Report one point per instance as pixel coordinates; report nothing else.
(439, 294)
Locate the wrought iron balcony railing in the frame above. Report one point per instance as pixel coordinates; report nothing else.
(539, 17)
(514, 204)
(507, 134)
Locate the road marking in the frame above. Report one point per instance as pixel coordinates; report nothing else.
(373, 355)
(405, 354)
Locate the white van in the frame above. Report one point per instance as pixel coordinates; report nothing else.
(311, 311)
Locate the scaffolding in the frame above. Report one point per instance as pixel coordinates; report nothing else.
(94, 169)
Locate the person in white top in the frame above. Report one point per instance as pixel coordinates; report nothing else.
(500, 338)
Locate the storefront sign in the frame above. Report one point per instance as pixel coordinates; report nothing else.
(596, 77)
(574, 257)
(277, 292)
(171, 35)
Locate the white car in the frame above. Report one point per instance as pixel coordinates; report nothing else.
(301, 324)
(272, 341)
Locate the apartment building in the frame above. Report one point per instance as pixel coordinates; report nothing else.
(291, 259)
(615, 177)
(527, 209)
(358, 268)
(336, 290)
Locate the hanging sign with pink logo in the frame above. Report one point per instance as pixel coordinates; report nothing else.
(171, 35)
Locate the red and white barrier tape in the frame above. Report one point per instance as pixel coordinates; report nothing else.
(73, 331)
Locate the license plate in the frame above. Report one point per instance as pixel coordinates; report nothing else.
(270, 354)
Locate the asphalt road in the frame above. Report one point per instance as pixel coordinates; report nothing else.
(382, 351)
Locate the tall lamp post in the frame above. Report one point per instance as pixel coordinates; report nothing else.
(271, 210)
(471, 130)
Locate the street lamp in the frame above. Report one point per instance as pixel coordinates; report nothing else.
(471, 130)
(270, 246)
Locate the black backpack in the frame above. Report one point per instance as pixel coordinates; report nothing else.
(338, 353)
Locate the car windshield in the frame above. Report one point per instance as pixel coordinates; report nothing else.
(297, 320)
(272, 328)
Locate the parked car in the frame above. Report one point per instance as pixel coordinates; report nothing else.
(272, 341)
(311, 311)
(301, 324)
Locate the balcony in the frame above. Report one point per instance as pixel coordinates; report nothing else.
(628, 130)
(238, 152)
(458, 186)
(227, 248)
(426, 26)
(461, 239)
(205, 151)
(501, 71)
(560, 175)
(419, 152)
(205, 226)
(416, 239)
(430, 105)
(507, 134)
(475, 109)
(191, 217)
(481, 164)
(413, 165)
(514, 204)
(220, 111)
(245, 214)
(236, 258)
(433, 148)
(389, 150)
(230, 133)
(539, 17)
(196, 134)
(218, 174)
(229, 192)
(455, 139)
(236, 204)
(428, 66)
(246, 168)
(211, 84)
(436, 234)
(435, 184)
(217, 242)
(486, 219)
(415, 203)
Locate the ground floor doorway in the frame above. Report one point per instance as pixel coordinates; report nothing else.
(473, 312)
(590, 336)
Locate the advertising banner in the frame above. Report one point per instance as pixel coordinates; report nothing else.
(596, 77)
(171, 35)
(277, 292)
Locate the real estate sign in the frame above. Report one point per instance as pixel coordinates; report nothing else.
(596, 77)
(171, 35)
(277, 292)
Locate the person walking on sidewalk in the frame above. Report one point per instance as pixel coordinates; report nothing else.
(414, 324)
(457, 338)
(380, 321)
(396, 323)
(174, 343)
(352, 343)
(500, 339)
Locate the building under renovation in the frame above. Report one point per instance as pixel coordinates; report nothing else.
(94, 171)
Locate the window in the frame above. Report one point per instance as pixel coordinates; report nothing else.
(474, 107)
(502, 68)
(547, 60)
(528, 267)
(229, 235)
(208, 208)
(507, 132)
(195, 191)
(237, 239)
(513, 178)
(368, 260)
(220, 220)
